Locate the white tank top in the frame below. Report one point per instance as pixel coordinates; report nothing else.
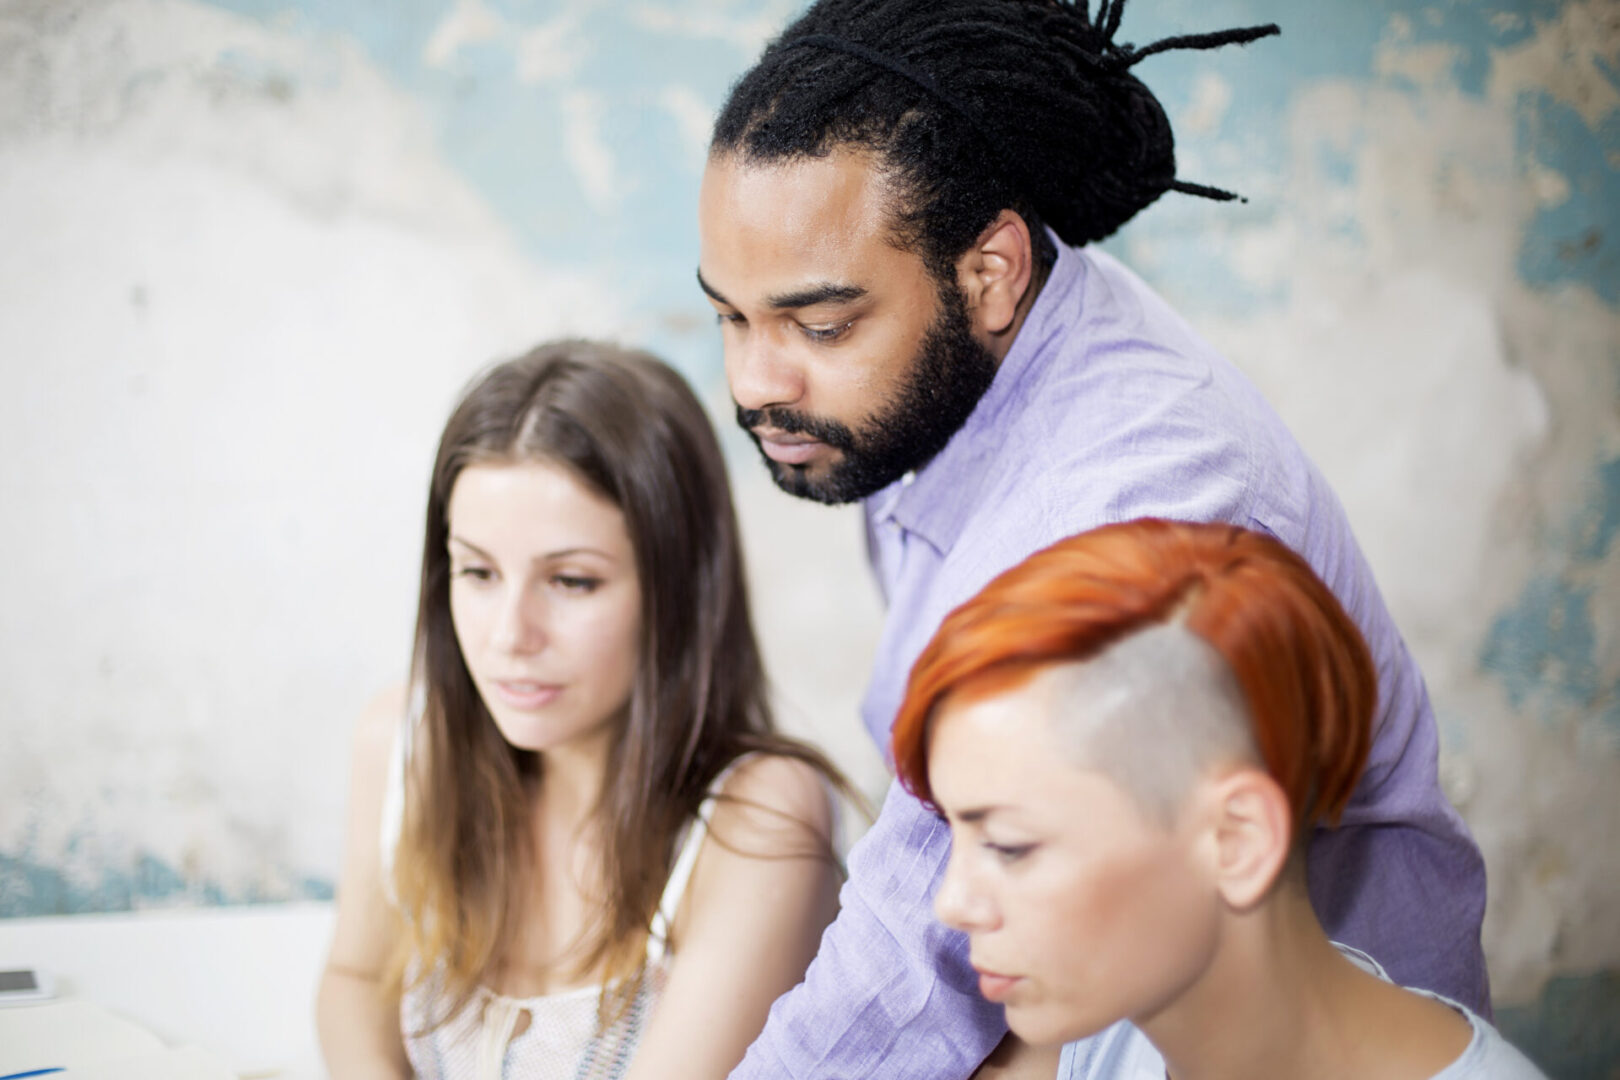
(561, 1040)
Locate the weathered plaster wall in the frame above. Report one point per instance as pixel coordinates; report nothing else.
(253, 247)
(1424, 283)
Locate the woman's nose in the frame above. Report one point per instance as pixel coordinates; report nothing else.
(960, 902)
(520, 623)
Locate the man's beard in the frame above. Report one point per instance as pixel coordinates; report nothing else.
(947, 377)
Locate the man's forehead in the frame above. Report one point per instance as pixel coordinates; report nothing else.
(822, 212)
(841, 172)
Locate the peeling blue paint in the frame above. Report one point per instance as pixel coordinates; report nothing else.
(1544, 648)
(1579, 239)
(1575, 241)
(319, 70)
(29, 887)
(502, 136)
(1545, 642)
(1604, 521)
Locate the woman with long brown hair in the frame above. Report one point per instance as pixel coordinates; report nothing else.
(597, 857)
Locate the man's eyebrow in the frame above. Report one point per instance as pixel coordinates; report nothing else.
(823, 293)
(811, 295)
(711, 291)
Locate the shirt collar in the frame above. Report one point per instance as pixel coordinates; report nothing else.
(936, 502)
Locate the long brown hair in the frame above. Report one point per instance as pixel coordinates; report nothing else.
(629, 428)
(1304, 669)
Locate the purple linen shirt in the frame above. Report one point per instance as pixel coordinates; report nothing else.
(1109, 407)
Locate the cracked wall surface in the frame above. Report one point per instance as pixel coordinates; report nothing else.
(255, 246)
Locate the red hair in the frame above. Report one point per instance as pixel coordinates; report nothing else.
(1304, 670)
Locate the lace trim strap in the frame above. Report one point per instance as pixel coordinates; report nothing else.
(500, 1020)
(681, 873)
(393, 803)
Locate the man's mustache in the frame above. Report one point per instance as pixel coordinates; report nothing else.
(834, 434)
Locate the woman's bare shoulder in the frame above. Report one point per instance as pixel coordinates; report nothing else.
(380, 720)
(372, 745)
(775, 804)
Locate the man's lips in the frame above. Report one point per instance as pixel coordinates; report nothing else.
(994, 987)
(786, 448)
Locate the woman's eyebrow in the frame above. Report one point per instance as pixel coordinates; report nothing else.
(973, 815)
(560, 553)
(563, 553)
(470, 546)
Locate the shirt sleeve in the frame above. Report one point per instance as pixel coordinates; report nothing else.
(890, 993)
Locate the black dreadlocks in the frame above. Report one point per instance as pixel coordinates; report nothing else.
(971, 106)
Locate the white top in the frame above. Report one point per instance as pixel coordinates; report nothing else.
(482, 1041)
(1122, 1052)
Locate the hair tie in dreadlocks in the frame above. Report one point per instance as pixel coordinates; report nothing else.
(1121, 58)
(905, 71)
(1030, 105)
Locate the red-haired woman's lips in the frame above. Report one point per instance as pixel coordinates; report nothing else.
(787, 449)
(993, 987)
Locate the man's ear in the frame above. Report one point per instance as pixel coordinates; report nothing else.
(1251, 834)
(996, 272)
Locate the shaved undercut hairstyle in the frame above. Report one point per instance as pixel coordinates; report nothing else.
(1157, 617)
(971, 107)
(1153, 712)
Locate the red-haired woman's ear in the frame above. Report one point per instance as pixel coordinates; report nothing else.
(1252, 835)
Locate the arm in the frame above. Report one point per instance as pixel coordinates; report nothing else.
(1399, 877)
(763, 889)
(358, 1024)
(890, 994)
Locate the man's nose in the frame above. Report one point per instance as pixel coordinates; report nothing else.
(761, 373)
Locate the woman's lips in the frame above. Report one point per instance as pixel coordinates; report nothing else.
(525, 694)
(993, 987)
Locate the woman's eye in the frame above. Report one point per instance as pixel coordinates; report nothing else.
(1009, 853)
(824, 335)
(576, 583)
(474, 573)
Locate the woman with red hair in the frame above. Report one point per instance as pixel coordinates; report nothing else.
(1132, 734)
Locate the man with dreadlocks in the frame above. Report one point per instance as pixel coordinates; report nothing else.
(895, 217)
